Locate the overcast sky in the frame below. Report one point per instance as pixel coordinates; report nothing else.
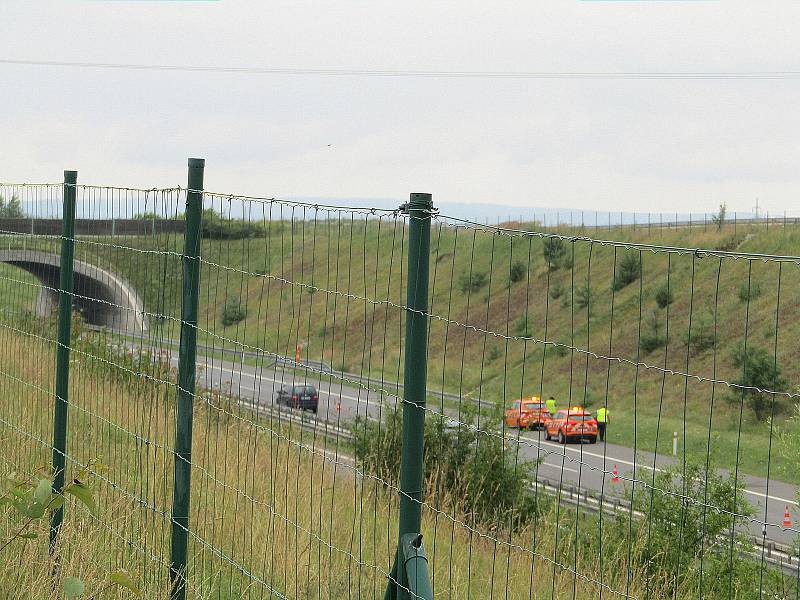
(644, 145)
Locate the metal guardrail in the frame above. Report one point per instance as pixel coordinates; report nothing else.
(290, 362)
(775, 553)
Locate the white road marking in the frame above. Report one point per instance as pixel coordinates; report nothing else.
(260, 376)
(541, 442)
(641, 465)
(559, 467)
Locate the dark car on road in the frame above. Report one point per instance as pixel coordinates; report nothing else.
(299, 396)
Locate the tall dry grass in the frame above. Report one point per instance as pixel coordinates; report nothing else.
(277, 512)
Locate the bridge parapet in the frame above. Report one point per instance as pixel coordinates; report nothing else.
(103, 297)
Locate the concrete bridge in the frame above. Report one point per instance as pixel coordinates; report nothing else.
(102, 297)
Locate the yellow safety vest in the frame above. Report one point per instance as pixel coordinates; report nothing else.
(602, 415)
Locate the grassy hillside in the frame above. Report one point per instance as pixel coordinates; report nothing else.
(335, 287)
(275, 512)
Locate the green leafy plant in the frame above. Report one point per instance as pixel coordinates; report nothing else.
(663, 296)
(233, 312)
(522, 326)
(31, 499)
(758, 371)
(556, 291)
(484, 477)
(747, 292)
(553, 250)
(518, 272)
(216, 226)
(472, 282)
(652, 337)
(583, 297)
(679, 526)
(702, 336)
(628, 270)
(719, 218)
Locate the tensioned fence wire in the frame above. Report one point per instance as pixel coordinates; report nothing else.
(310, 299)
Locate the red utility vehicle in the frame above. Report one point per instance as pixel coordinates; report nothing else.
(528, 413)
(572, 424)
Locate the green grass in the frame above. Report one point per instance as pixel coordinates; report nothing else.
(269, 512)
(18, 289)
(334, 265)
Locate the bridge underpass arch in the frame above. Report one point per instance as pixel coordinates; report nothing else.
(102, 297)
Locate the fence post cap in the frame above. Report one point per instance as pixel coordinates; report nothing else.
(197, 163)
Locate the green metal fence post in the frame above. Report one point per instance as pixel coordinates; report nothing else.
(62, 351)
(187, 360)
(414, 391)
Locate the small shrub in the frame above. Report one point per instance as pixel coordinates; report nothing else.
(747, 292)
(730, 242)
(719, 218)
(758, 369)
(652, 337)
(219, 227)
(681, 508)
(567, 262)
(556, 291)
(663, 296)
(518, 272)
(485, 479)
(553, 250)
(583, 297)
(522, 326)
(628, 270)
(494, 353)
(233, 312)
(702, 337)
(472, 282)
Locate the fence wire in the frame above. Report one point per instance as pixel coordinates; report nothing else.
(689, 347)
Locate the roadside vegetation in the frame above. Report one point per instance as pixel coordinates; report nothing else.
(684, 542)
(297, 280)
(284, 505)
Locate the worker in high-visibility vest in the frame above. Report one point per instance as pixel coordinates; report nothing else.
(551, 405)
(603, 417)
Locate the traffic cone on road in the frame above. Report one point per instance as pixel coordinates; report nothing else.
(615, 475)
(787, 518)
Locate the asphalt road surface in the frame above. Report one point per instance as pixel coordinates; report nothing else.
(588, 466)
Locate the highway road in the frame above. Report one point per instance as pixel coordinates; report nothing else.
(587, 466)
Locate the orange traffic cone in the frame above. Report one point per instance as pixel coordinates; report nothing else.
(787, 518)
(615, 475)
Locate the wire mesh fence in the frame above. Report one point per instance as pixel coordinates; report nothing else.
(602, 418)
